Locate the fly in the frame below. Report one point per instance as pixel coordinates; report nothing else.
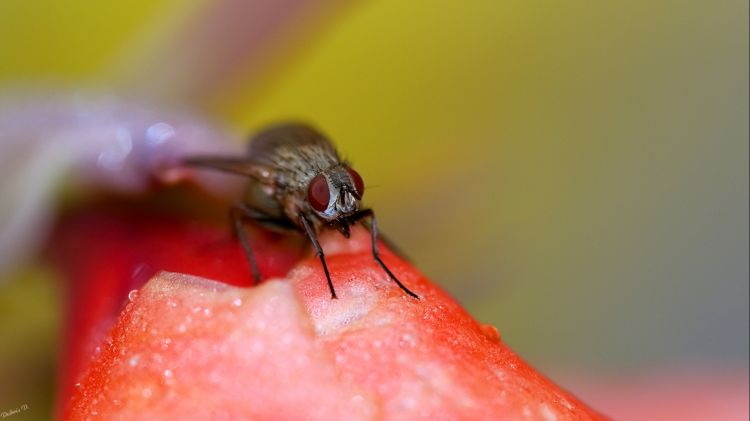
(298, 182)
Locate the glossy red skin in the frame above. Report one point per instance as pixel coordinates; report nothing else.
(287, 350)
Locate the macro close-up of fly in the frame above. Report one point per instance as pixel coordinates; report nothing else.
(298, 182)
(308, 210)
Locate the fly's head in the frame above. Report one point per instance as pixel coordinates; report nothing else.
(334, 195)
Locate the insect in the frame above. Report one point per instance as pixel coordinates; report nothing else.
(298, 182)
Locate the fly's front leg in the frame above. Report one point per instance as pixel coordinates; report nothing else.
(319, 251)
(376, 253)
(384, 239)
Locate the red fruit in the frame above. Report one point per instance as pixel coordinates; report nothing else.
(188, 347)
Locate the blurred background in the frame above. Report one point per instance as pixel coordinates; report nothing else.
(575, 173)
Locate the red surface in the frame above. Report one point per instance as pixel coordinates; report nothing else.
(187, 347)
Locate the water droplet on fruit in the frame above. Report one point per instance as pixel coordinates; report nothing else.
(134, 360)
(168, 377)
(146, 393)
(408, 339)
(237, 302)
(491, 332)
(132, 295)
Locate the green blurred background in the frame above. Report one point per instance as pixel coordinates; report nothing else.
(575, 173)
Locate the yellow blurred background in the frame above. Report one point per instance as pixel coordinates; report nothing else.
(574, 173)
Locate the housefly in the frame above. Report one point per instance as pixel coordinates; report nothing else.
(298, 182)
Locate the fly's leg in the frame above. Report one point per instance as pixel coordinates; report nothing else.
(319, 251)
(240, 213)
(384, 239)
(376, 253)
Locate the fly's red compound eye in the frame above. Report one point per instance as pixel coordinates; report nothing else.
(318, 194)
(359, 185)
